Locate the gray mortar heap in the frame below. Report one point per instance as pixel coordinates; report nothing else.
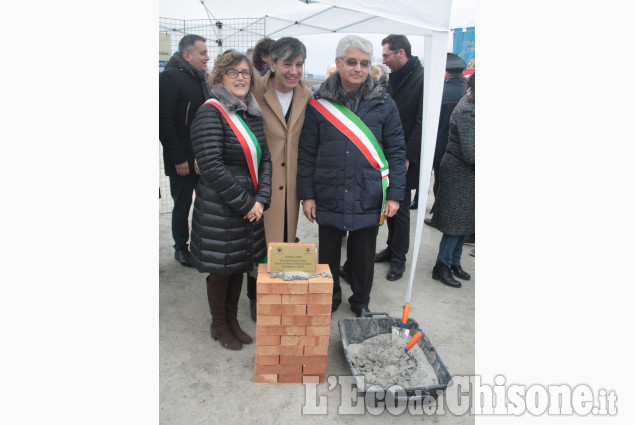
(298, 275)
(382, 361)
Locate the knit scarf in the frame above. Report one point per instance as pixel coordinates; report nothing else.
(199, 75)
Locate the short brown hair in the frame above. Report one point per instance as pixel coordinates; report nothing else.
(225, 61)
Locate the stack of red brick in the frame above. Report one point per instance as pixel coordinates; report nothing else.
(293, 327)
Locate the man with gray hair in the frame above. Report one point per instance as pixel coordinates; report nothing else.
(182, 89)
(351, 166)
(282, 97)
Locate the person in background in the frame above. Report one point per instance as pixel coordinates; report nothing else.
(454, 205)
(228, 236)
(329, 70)
(453, 90)
(182, 89)
(406, 88)
(351, 142)
(261, 54)
(282, 96)
(379, 73)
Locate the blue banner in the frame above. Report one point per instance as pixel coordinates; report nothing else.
(464, 43)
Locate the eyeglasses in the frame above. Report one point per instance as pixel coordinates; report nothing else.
(385, 55)
(353, 62)
(233, 73)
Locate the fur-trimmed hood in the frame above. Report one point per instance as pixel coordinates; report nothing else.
(233, 104)
(329, 89)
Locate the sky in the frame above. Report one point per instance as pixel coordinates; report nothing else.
(320, 47)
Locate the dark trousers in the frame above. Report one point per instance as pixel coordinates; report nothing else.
(181, 188)
(361, 258)
(399, 230)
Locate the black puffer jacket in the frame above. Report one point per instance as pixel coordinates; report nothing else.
(333, 171)
(180, 96)
(223, 242)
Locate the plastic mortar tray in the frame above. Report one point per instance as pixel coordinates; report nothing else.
(356, 330)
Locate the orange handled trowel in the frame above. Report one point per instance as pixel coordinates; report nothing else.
(398, 332)
(412, 343)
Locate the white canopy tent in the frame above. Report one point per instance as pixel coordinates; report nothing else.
(429, 18)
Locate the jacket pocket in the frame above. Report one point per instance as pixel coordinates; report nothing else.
(372, 194)
(325, 182)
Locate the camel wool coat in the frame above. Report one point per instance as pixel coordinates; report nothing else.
(282, 140)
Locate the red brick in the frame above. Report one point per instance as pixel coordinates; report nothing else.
(267, 360)
(282, 288)
(290, 340)
(280, 330)
(320, 320)
(307, 299)
(269, 299)
(288, 369)
(267, 379)
(300, 359)
(314, 309)
(315, 340)
(267, 339)
(290, 378)
(282, 309)
(320, 288)
(313, 379)
(262, 319)
(318, 330)
(297, 320)
(312, 369)
(316, 350)
(282, 350)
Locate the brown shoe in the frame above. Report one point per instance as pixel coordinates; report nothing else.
(227, 339)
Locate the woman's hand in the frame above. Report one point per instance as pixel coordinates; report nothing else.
(308, 207)
(255, 213)
(196, 169)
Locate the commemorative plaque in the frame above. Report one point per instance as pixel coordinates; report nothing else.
(291, 257)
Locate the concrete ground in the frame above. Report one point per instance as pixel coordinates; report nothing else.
(203, 383)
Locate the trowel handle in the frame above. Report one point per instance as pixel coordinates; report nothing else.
(413, 341)
(404, 317)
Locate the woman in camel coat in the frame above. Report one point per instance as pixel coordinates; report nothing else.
(282, 97)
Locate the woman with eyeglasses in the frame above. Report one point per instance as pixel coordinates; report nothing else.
(351, 166)
(228, 236)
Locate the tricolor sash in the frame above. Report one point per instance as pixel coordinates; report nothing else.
(246, 138)
(354, 128)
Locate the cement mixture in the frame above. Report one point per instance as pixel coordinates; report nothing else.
(383, 362)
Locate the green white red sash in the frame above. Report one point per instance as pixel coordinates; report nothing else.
(246, 138)
(354, 128)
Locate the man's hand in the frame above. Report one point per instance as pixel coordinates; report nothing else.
(391, 207)
(182, 169)
(308, 206)
(407, 164)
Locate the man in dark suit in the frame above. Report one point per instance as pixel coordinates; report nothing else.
(182, 89)
(405, 86)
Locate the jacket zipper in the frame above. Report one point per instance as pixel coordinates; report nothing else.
(187, 111)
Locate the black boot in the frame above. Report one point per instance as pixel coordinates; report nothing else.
(216, 297)
(442, 273)
(231, 308)
(459, 272)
